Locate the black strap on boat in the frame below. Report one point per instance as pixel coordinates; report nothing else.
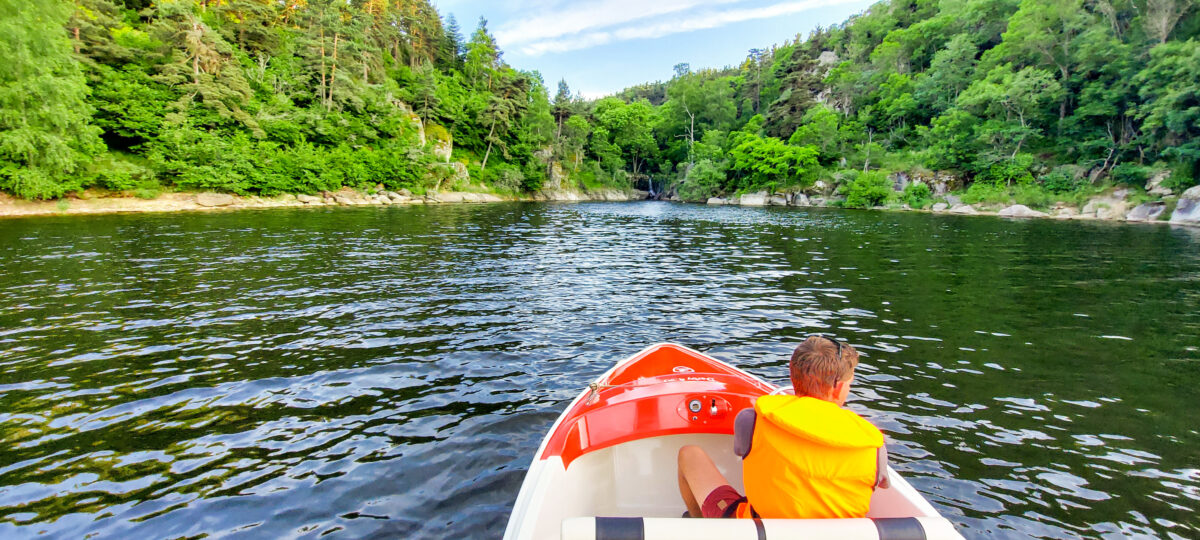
(907, 528)
(620, 528)
(758, 526)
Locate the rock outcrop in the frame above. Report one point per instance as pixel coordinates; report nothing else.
(214, 199)
(716, 201)
(1154, 184)
(964, 209)
(754, 199)
(1021, 211)
(1147, 212)
(309, 199)
(940, 207)
(1187, 210)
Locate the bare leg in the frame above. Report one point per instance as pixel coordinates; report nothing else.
(698, 476)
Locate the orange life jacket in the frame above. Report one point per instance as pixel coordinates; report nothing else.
(809, 459)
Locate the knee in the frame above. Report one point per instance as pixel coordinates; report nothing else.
(689, 453)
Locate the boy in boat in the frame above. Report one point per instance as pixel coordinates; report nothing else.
(807, 457)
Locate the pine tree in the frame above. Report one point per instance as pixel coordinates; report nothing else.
(45, 135)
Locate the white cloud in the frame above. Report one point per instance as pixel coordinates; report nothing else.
(666, 27)
(592, 16)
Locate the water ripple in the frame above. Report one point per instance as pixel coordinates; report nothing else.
(390, 371)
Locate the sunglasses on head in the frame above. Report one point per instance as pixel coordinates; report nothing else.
(835, 343)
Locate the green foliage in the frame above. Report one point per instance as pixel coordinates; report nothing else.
(505, 177)
(269, 97)
(987, 193)
(45, 130)
(869, 189)
(1008, 172)
(703, 180)
(1130, 174)
(917, 195)
(769, 163)
(1062, 180)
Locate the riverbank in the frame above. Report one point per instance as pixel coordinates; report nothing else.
(1116, 205)
(92, 202)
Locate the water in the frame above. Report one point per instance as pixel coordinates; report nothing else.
(390, 371)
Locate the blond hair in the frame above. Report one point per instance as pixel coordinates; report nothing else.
(816, 366)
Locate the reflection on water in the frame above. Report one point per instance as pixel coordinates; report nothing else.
(390, 371)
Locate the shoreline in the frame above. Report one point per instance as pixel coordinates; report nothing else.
(1114, 207)
(93, 204)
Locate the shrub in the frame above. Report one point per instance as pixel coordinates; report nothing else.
(1061, 180)
(703, 180)
(533, 176)
(1008, 172)
(504, 177)
(1034, 196)
(868, 189)
(917, 195)
(986, 192)
(1130, 174)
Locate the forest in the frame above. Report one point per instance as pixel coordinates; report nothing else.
(1029, 101)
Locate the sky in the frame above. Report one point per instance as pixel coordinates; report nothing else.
(602, 46)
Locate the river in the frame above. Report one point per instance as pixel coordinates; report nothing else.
(389, 371)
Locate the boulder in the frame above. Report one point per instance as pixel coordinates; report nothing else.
(964, 209)
(777, 200)
(1146, 212)
(799, 199)
(1154, 184)
(754, 199)
(1021, 211)
(404, 193)
(1110, 207)
(309, 199)
(940, 207)
(214, 199)
(819, 201)
(451, 197)
(716, 201)
(1187, 210)
(953, 200)
(347, 196)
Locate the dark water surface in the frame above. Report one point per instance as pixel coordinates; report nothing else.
(390, 371)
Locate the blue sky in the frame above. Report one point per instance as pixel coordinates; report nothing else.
(602, 46)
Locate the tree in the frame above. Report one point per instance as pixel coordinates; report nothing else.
(1013, 101)
(1170, 90)
(451, 50)
(949, 74)
(45, 134)
(482, 58)
(1046, 32)
(1162, 15)
(767, 162)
